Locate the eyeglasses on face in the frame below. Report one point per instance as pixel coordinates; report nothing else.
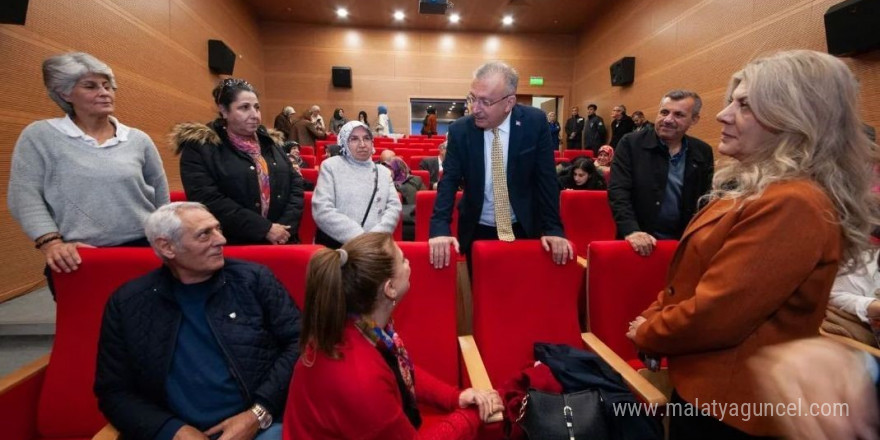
(353, 140)
(485, 103)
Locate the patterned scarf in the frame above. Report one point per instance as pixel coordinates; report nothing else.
(388, 341)
(251, 147)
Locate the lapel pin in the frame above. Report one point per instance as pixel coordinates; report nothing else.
(518, 123)
(232, 315)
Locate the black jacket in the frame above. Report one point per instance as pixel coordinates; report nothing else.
(224, 179)
(620, 128)
(139, 332)
(595, 133)
(638, 181)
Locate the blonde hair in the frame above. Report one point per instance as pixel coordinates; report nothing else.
(810, 100)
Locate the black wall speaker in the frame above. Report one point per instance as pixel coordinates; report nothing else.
(342, 77)
(221, 59)
(851, 27)
(623, 71)
(13, 11)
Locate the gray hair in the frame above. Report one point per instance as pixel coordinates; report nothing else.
(679, 94)
(314, 109)
(287, 111)
(61, 72)
(511, 77)
(165, 222)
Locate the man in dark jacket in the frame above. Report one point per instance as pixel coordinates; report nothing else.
(574, 126)
(660, 174)
(621, 124)
(595, 132)
(199, 346)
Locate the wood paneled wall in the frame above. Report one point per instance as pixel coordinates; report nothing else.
(390, 67)
(158, 52)
(698, 44)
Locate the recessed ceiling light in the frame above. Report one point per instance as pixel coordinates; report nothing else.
(454, 18)
(399, 15)
(342, 12)
(507, 20)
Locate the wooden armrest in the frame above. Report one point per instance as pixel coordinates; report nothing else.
(24, 373)
(108, 432)
(476, 370)
(633, 379)
(582, 261)
(851, 343)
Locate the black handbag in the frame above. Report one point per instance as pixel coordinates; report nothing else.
(570, 416)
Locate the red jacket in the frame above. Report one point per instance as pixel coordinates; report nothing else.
(356, 397)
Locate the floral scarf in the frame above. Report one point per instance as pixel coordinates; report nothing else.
(251, 147)
(388, 341)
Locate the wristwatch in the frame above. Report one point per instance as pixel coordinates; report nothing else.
(263, 415)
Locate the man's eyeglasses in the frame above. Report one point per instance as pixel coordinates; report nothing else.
(472, 100)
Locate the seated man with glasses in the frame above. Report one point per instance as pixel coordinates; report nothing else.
(503, 155)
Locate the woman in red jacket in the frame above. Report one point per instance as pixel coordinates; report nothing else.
(354, 379)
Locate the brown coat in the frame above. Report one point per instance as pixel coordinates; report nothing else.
(305, 132)
(743, 279)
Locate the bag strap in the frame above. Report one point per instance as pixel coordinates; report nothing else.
(375, 188)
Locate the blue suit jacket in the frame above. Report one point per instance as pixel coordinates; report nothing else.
(531, 177)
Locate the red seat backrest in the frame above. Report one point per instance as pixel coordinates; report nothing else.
(68, 407)
(621, 285)
(571, 154)
(288, 263)
(307, 226)
(426, 317)
(586, 217)
(309, 174)
(308, 160)
(307, 149)
(424, 210)
(414, 161)
(421, 145)
(178, 196)
(520, 296)
(425, 176)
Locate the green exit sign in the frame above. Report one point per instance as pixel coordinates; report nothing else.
(536, 80)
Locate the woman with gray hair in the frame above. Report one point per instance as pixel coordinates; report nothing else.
(353, 195)
(84, 179)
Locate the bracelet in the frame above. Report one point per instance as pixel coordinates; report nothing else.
(42, 242)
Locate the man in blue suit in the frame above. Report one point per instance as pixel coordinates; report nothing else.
(496, 122)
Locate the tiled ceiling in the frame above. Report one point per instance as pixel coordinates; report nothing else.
(530, 16)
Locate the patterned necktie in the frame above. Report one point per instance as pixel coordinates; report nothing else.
(499, 190)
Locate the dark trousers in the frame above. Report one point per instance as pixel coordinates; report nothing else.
(47, 271)
(700, 427)
(484, 232)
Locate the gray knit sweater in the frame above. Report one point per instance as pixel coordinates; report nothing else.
(342, 194)
(98, 196)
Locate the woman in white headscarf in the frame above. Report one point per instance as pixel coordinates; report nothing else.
(353, 195)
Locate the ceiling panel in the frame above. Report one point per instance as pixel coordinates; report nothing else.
(530, 16)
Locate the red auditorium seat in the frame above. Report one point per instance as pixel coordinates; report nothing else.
(620, 285)
(307, 227)
(309, 161)
(309, 174)
(414, 161)
(586, 217)
(424, 146)
(424, 210)
(287, 262)
(571, 154)
(424, 175)
(178, 196)
(521, 297)
(306, 149)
